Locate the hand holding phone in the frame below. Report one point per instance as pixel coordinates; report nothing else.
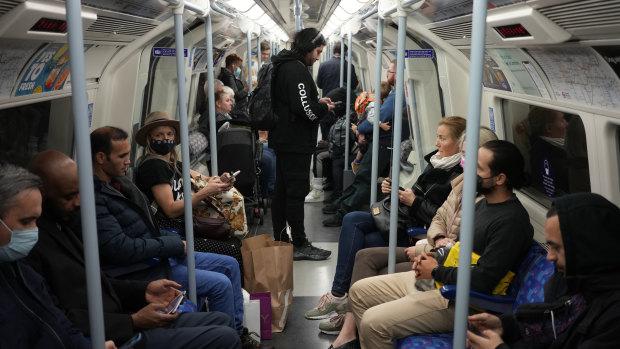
(175, 302)
(232, 176)
(132, 341)
(336, 103)
(390, 181)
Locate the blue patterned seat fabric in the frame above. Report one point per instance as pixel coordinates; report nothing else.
(527, 287)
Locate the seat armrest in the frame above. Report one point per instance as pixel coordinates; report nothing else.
(489, 302)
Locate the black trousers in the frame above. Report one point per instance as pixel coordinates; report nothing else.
(292, 186)
(194, 331)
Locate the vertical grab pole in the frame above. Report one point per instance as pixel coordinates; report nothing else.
(211, 96)
(187, 188)
(397, 126)
(258, 57)
(342, 63)
(249, 39)
(85, 172)
(375, 126)
(348, 108)
(297, 15)
(463, 279)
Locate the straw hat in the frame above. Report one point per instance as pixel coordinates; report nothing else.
(155, 119)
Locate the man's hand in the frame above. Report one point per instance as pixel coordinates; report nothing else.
(161, 291)
(423, 266)
(148, 317)
(441, 242)
(485, 321)
(385, 126)
(487, 339)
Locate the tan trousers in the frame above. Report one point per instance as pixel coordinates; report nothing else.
(390, 306)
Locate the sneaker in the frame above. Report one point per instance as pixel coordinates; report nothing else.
(334, 221)
(330, 209)
(327, 307)
(309, 252)
(250, 340)
(315, 195)
(333, 326)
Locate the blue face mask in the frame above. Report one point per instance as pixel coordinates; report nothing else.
(238, 72)
(162, 147)
(22, 241)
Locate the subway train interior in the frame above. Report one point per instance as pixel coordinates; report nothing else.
(562, 55)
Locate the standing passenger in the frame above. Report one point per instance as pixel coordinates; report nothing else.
(299, 110)
(230, 77)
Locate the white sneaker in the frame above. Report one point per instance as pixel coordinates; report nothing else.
(316, 193)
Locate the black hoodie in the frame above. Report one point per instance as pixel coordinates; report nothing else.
(295, 99)
(590, 228)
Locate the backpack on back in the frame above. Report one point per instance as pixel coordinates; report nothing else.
(260, 108)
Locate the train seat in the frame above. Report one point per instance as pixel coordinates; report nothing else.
(527, 287)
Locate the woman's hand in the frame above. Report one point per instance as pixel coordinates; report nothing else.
(215, 186)
(410, 252)
(406, 196)
(441, 242)
(386, 186)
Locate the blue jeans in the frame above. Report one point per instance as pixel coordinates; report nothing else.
(358, 231)
(218, 278)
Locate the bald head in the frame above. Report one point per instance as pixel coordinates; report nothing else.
(60, 182)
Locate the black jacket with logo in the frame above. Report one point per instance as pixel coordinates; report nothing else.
(295, 99)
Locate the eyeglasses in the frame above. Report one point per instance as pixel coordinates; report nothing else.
(319, 35)
(391, 72)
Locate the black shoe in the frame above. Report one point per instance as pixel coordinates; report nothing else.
(250, 340)
(334, 221)
(354, 344)
(330, 209)
(309, 252)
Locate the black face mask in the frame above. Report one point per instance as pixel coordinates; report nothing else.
(483, 190)
(162, 147)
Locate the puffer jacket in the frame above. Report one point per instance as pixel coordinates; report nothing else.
(28, 316)
(129, 240)
(431, 189)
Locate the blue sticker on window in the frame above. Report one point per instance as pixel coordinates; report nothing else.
(492, 118)
(419, 53)
(167, 52)
(548, 178)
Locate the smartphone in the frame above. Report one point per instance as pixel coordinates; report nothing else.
(174, 303)
(390, 181)
(336, 103)
(132, 341)
(232, 176)
(472, 328)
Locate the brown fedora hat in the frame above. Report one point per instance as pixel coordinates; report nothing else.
(155, 119)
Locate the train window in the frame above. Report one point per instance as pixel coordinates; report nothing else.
(553, 144)
(26, 130)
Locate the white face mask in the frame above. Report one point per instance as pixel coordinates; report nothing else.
(22, 241)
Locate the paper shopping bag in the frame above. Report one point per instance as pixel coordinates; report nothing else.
(268, 267)
(265, 313)
(251, 316)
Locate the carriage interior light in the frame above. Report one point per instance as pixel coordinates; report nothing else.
(343, 13)
(254, 13)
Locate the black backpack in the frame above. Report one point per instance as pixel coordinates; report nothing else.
(260, 108)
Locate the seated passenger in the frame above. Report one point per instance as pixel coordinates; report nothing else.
(424, 198)
(131, 245)
(444, 229)
(23, 292)
(230, 77)
(128, 306)
(159, 176)
(223, 105)
(203, 121)
(358, 192)
(578, 229)
(391, 306)
(548, 161)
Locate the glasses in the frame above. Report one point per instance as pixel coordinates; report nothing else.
(391, 72)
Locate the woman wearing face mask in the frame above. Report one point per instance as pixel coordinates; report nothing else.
(159, 176)
(230, 77)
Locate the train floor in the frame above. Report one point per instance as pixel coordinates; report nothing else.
(311, 280)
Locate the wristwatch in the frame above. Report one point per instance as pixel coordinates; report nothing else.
(434, 271)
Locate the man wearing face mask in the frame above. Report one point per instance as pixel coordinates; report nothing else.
(391, 306)
(230, 77)
(28, 316)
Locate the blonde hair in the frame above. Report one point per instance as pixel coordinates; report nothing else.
(486, 135)
(456, 125)
(173, 153)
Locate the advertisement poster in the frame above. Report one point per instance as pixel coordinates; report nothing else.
(47, 72)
